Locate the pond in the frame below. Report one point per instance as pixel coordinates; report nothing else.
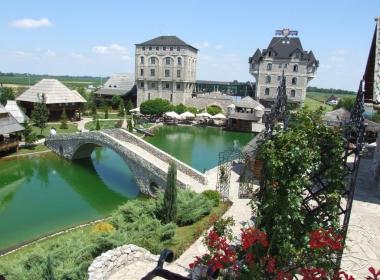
(44, 194)
(198, 147)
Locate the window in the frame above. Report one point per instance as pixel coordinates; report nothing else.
(297, 55)
(285, 65)
(141, 72)
(178, 48)
(142, 84)
(179, 61)
(268, 79)
(157, 48)
(152, 72)
(153, 60)
(167, 60)
(167, 73)
(269, 53)
(278, 78)
(295, 68)
(269, 66)
(178, 86)
(178, 73)
(150, 48)
(153, 85)
(164, 48)
(142, 60)
(167, 85)
(294, 81)
(293, 93)
(267, 91)
(171, 48)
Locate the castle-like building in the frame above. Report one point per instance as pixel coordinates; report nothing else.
(165, 67)
(283, 55)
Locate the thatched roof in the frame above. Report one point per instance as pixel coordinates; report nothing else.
(249, 102)
(8, 123)
(55, 92)
(118, 84)
(16, 111)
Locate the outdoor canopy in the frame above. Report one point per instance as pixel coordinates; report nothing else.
(219, 116)
(172, 115)
(205, 115)
(187, 115)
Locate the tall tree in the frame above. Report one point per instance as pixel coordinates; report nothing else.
(64, 120)
(40, 114)
(170, 196)
(106, 111)
(28, 133)
(6, 94)
(128, 107)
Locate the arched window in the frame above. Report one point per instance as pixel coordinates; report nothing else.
(167, 60)
(142, 60)
(294, 81)
(153, 60)
(267, 91)
(293, 93)
(179, 61)
(295, 68)
(268, 79)
(269, 66)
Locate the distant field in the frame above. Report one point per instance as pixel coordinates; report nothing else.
(314, 104)
(23, 80)
(322, 96)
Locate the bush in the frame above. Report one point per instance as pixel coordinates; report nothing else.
(213, 110)
(212, 195)
(155, 107)
(191, 207)
(119, 123)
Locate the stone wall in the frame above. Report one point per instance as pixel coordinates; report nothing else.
(202, 101)
(111, 261)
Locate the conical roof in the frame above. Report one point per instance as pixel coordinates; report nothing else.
(54, 91)
(16, 111)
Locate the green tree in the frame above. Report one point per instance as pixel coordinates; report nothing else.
(170, 196)
(64, 120)
(106, 111)
(213, 110)
(28, 133)
(40, 114)
(121, 108)
(6, 94)
(115, 101)
(128, 107)
(180, 108)
(97, 124)
(130, 126)
(155, 107)
(346, 103)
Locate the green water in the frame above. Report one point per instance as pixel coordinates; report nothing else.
(44, 194)
(198, 147)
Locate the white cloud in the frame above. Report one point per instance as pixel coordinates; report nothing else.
(111, 49)
(202, 45)
(29, 23)
(50, 53)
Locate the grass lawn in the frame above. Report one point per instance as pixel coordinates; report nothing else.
(104, 124)
(31, 149)
(46, 131)
(314, 104)
(322, 96)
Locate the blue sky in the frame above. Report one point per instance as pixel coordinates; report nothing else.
(98, 37)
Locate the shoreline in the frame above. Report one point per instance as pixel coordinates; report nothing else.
(16, 248)
(26, 154)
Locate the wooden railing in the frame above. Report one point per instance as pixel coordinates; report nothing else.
(8, 144)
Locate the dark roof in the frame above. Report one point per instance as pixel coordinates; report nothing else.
(118, 84)
(166, 41)
(284, 47)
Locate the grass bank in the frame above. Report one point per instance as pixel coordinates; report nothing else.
(72, 127)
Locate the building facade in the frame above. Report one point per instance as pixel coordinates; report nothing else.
(283, 55)
(165, 67)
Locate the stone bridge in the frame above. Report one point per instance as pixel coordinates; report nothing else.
(148, 164)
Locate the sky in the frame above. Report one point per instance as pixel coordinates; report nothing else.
(98, 38)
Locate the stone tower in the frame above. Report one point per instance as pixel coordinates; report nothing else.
(284, 54)
(165, 67)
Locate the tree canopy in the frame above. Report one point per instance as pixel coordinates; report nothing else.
(40, 114)
(155, 107)
(6, 94)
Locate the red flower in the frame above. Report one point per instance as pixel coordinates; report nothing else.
(271, 266)
(250, 236)
(313, 273)
(343, 276)
(322, 238)
(249, 258)
(281, 275)
(375, 274)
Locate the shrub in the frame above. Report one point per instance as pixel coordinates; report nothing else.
(103, 227)
(64, 124)
(170, 195)
(212, 195)
(119, 123)
(191, 207)
(213, 110)
(155, 107)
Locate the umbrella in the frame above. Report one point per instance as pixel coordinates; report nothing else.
(136, 110)
(187, 115)
(219, 116)
(205, 115)
(172, 114)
